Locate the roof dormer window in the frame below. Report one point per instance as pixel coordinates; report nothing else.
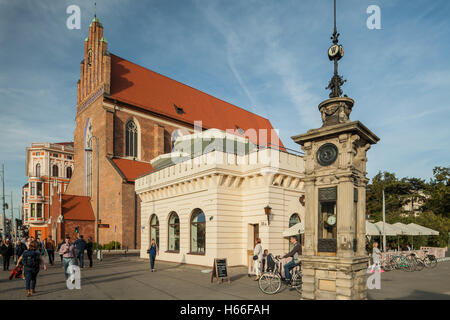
(178, 109)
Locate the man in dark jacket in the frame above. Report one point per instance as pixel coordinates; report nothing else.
(80, 246)
(89, 250)
(20, 249)
(295, 253)
(7, 251)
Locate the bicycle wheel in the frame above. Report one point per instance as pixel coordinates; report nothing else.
(410, 264)
(389, 265)
(432, 262)
(419, 264)
(397, 262)
(269, 283)
(297, 282)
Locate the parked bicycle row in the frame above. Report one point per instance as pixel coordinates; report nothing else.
(409, 262)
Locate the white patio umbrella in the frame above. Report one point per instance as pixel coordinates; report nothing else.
(295, 230)
(389, 229)
(405, 230)
(372, 229)
(423, 231)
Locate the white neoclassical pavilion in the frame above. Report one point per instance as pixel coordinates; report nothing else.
(211, 204)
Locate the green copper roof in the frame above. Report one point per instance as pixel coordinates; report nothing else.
(95, 19)
(86, 39)
(103, 40)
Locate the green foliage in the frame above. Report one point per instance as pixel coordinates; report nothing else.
(438, 191)
(108, 246)
(434, 213)
(111, 246)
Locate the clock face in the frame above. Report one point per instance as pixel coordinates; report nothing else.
(331, 220)
(327, 154)
(334, 50)
(341, 51)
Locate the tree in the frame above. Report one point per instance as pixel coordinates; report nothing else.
(396, 195)
(438, 191)
(434, 213)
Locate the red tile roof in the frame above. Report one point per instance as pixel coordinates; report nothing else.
(77, 208)
(138, 86)
(132, 169)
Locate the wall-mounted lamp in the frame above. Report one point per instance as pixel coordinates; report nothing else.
(268, 211)
(302, 200)
(210, 218)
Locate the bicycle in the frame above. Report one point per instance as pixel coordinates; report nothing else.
(429, 260)
(405, 263)
(270, 282)
(418, 263)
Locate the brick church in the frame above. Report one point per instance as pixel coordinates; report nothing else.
(134, 114)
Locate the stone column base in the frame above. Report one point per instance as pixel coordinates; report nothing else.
(334, 278)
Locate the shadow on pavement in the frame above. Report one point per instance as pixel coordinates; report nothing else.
(424, 295)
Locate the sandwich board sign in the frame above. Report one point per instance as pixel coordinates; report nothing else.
(220, 270)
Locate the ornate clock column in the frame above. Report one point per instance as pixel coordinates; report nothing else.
(334, 260)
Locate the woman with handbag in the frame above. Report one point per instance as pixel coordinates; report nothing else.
(257, 258)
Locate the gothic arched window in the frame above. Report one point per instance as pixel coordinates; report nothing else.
(88, 159)
(131, 140)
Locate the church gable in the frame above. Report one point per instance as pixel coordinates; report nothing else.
(95, 67)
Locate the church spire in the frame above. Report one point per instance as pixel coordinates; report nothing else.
(335, 53)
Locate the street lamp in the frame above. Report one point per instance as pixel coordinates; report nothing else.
(268, 211)
(89, 149)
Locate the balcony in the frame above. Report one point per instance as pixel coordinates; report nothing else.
(36, 220)
(35, 178)
(36, 199)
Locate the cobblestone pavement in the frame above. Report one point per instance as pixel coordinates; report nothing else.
(119, 277)
(130, 278)
(428, 284)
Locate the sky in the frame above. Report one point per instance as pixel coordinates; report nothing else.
(266, 56)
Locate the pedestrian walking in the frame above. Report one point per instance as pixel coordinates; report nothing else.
(68, 255)
(29, 240)
(32, 260)
(80, 246)
(40, 244)
(152, 251)
(20, 249)
(257, 258)
(50, 247)
(89, 250)
(60, 254)
(7, 251)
